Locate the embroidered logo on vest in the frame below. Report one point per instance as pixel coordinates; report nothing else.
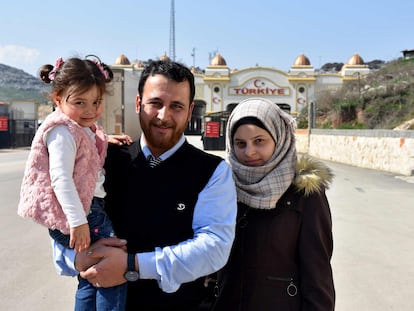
(180, 207)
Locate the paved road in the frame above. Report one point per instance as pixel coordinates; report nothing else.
(29, 281)
(373, 260)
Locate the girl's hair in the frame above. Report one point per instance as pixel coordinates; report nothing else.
(77, 75)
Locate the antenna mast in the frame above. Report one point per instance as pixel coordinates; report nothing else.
(172, 32)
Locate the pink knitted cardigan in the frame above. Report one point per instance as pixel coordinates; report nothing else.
(37, 198)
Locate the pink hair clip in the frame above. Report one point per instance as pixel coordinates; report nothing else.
(101, 68)
(98, 64)
(59, 63)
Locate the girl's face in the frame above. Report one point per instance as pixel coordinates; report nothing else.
(84, 108)
(253, 146)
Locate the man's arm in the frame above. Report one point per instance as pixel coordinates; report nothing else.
(208, 250)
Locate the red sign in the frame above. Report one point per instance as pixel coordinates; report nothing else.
(212, 129)
(4, 123)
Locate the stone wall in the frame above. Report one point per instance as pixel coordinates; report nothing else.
(386, 150)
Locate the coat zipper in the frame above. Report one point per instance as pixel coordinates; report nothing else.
(291, 290)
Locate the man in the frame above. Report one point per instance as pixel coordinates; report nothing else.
(177, 217)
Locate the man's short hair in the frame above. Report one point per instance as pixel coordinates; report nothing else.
(172, 70)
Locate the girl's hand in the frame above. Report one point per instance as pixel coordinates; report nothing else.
(119, 139)
(80, 238)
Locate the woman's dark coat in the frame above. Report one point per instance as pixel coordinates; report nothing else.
(281, 257)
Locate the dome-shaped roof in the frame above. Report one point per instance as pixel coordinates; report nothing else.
(355, 60)
(218, 60)
(138, 64)
(164, 57)
(122, 60)
(302, 60)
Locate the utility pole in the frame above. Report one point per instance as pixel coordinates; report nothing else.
(193, 56)
(172, 32)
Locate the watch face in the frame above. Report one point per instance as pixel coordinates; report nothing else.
(131, 276)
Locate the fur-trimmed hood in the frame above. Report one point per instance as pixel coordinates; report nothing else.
(311, 175)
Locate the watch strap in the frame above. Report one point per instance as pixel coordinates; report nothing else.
(131, 275)
(131, 262)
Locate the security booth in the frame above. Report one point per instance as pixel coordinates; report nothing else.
(214, 135)
(4, 125)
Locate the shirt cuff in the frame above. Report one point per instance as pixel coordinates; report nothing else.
(147, 266)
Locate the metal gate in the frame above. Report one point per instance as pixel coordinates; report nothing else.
(21, 133)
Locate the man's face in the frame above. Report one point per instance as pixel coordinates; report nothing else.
(164, 112)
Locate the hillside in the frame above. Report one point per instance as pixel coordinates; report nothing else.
(15, 85)
(384, 99)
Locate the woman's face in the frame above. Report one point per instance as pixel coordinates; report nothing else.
(253, 146)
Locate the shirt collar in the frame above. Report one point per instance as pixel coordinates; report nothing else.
(165, 155)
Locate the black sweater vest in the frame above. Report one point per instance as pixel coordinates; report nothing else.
(153, 207)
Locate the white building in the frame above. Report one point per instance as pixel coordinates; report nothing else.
(220, 88)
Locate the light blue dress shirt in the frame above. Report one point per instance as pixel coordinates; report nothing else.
(213, 225)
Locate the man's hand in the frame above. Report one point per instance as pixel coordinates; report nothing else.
(110, 265)
(84, 259)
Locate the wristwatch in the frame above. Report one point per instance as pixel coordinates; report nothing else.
(131, 275)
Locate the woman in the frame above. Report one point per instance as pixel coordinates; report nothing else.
(281, 255)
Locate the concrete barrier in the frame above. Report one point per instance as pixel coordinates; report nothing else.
(387, 150)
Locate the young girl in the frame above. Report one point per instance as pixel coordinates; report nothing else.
(281, 254)
(62, 187)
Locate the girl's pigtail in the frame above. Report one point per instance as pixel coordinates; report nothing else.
(44, 73)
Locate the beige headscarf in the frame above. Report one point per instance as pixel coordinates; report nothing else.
(262, 186)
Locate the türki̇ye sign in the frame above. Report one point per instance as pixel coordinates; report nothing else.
(259, 87)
